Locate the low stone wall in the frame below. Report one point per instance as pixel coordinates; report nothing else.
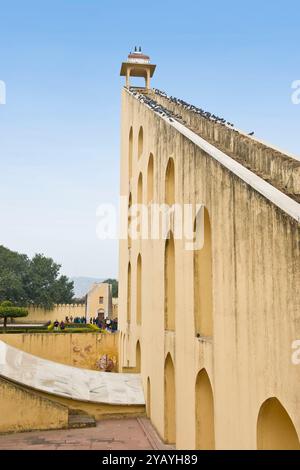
(100, 410)
(24, 410)
(74, 349)
(59, 312)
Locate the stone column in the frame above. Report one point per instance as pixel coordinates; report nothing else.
(128, 77)
(148, 79)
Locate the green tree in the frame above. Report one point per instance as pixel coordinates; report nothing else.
(115, 286)
(13, 273)
(32, 282)
(63, 290)
(7, 310)
(12, 287)
(45, 287)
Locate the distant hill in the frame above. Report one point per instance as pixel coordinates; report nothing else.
(83, 284)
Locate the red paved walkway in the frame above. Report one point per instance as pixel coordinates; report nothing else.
(113, 434)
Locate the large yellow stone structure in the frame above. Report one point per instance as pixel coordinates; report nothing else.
(211, 329)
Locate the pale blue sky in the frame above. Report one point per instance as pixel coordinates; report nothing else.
(59, 131)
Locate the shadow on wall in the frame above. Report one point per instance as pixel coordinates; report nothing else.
(205, 433)
(169, 402)
(275, 429)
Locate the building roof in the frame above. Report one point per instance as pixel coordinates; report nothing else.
(137, 69)
(138, 55)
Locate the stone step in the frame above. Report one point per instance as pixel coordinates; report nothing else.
(80, 419)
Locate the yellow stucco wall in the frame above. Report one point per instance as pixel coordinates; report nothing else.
(26, 409)
(59, 312)
(23, 410)
(99, 300)
(75, 349)
(114, 308)
(255, 290)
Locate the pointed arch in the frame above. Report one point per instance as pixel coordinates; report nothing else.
(140, 189)
(203, 298)
(169, 281)
(129, 293)
(170, 183)
(138, 357)
(140, 142)
(204, 406)
(139, 290)
(129, 240)
(148, 405)
(130, 152)
(169, 401)
(275, 429)
(150, 179)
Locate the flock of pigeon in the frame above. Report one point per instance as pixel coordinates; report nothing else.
(191, 107)
(164, 112)
(156, 107)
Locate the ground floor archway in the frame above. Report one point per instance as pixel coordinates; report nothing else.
(138, 357)
(204, 421)
(275, 429)
(148, 404)
(169, 401)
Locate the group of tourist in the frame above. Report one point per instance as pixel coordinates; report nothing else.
(76, 320)
(59, 325)
(108, 325)
(104, 324)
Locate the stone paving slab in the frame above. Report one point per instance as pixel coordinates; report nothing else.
(111, 434)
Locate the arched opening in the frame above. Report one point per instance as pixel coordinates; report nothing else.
(129, 293)
(204, 401)
(121, 356)
(140, 189)
(139, 290)
(139, 201)
(126, 349)
(170, 183)
(139, 76)
(169, 401)
(148, 405)
(150, 181)
(140, 142)
(138, 358)
(129, 220)
(203, 304)
(169, 278)
(101, 314)
(275, 429)
(130, 152)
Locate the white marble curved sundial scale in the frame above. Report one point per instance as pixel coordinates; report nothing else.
(70, 382)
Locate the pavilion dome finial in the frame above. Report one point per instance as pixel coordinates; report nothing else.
(138, 57)
(137, 65)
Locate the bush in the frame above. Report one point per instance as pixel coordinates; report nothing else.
(75, 330)
(93, 327)
(23, 330)
(7, 303)
(7, 310)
